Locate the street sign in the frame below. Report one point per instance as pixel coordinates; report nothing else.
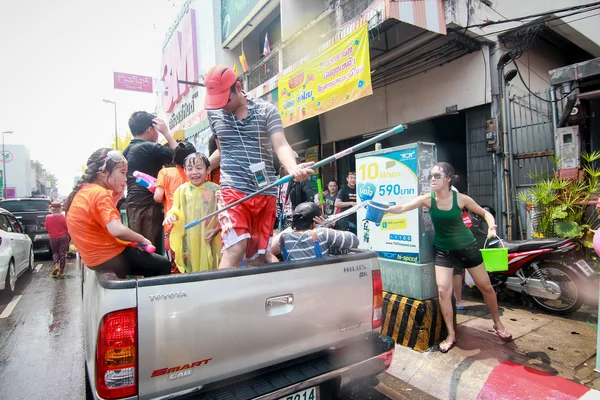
(136, 83)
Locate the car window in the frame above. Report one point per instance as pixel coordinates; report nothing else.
(5, 225)
(25, 205)
(14, 223)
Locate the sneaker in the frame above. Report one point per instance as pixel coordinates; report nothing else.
(55, 271)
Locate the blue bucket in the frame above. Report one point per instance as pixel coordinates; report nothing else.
(376, 211)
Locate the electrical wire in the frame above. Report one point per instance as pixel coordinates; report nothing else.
(574, 20)
(540, 23)
(520, 19)
(388, 82)
(417, 59)
(491, 8)
(420, 62)
(535, 95)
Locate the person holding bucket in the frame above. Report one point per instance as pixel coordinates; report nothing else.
(455, 245)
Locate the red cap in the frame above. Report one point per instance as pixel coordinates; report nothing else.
(218, 82)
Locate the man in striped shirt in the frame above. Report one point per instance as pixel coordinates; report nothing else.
(308, 242)
(248, 131)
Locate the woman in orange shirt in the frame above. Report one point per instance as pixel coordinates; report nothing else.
(95, 223)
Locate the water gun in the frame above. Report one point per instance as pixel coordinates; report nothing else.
(145, 180)
(144, 247)
(321, 200)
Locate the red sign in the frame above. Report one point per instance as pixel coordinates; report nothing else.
(180, 62)
(137, 83)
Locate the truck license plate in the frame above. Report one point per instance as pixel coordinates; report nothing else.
(585, 267)
(307, 394)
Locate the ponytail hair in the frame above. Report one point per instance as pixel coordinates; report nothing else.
(183, 150)
(448, 170)
(94, 163)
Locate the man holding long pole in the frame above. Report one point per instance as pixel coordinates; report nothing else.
(248, 130)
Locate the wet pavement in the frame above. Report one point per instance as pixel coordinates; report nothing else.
(41, 347)
(551, 356)
(41, 343)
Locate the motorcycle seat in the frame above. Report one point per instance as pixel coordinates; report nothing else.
(515, 246)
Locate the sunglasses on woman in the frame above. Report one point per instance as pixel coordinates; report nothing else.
(436, 175)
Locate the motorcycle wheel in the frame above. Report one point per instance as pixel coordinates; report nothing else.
(570, 300)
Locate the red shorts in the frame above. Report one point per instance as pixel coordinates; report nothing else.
(253, 219)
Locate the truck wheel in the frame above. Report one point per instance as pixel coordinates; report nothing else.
(570, 286)
(31, 260)
(11, 277)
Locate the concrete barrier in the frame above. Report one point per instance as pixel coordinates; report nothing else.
(413, 323)
(416, 281)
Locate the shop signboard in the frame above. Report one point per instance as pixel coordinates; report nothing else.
(395, 176)
(136, 83)
(235, 14)
(338, 76)
(180, 62)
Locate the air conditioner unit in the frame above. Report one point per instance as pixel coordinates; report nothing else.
(568, 146)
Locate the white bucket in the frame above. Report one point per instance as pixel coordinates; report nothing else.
(468, 279)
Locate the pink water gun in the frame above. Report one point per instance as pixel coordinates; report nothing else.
(144, 247)
(147, 181)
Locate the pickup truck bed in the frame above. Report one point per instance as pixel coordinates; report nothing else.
(261, 332)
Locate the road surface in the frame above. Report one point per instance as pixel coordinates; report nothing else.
(41, 342)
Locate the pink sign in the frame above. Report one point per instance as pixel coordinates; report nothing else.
(180, 62)
(137, 83)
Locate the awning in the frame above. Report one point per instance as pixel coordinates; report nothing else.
(426, 14)
(179, 135)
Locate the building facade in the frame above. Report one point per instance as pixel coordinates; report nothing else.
(17, 175)
(463, 74)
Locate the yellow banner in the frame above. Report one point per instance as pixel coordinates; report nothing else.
(338, 76)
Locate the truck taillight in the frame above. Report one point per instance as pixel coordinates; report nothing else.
(377, 299)
(116, 355)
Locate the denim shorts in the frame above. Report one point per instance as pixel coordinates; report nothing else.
(468, 257)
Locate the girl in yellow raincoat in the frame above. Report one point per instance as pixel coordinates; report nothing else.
(198, 248)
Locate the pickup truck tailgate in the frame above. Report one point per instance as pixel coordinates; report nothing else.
(200, 328)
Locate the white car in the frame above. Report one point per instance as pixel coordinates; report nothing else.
(16, 251)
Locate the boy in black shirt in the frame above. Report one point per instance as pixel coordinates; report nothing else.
(144, 154)
(346, 198)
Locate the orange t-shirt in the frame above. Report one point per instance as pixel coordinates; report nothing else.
(215, 176)
(91, 209)
(170, 179)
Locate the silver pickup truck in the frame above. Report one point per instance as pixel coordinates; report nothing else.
(293, 330)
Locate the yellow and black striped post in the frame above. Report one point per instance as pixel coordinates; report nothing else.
(413, 323)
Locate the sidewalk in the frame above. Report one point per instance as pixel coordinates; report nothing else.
(551, 357)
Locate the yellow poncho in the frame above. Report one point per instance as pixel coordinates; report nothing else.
(192, 252)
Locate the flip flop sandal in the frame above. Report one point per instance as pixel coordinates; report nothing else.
(504, 335)
(446, 349)
(460, 308)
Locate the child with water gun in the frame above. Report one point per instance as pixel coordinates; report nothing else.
(198, 248)
(95, 226)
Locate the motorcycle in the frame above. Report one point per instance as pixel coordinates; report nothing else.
(552, 271)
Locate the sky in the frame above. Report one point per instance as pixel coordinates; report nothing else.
(58, 59)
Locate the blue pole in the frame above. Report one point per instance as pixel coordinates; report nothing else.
(281, 181)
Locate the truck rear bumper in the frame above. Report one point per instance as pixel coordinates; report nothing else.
(343, 365)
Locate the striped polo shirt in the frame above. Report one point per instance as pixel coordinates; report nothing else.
(300, 246)
(245, 142)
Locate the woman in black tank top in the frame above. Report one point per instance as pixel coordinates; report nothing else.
(455, 246)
